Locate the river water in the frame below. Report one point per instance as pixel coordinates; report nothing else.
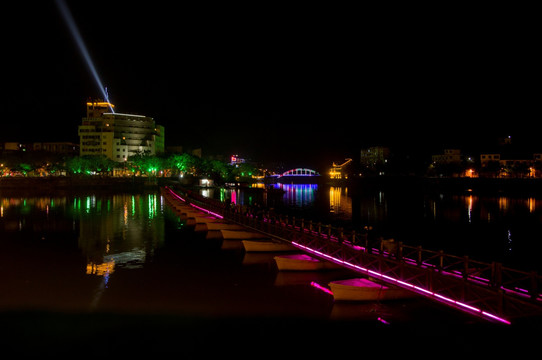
(486, 227)
(128, 253)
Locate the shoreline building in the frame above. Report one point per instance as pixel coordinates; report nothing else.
(374, 156)
(339, 171)
(449, 156)
(116, 135)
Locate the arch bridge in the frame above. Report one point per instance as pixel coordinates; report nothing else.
(300, 172)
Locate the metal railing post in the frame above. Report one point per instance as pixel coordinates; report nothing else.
(534, 285)
(496, 274)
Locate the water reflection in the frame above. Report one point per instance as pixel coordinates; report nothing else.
(292, 195)
(531, 203)
(298, 195)
(119, 231)
(339, 201)
(466, 223)
(374, 207)
(112, 231)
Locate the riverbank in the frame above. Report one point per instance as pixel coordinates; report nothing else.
(508, 186)
(65, 183)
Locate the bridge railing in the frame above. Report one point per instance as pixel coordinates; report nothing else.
(493, 275)
(524, 284)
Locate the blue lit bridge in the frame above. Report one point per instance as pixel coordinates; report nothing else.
(487, 290)
(298, 175)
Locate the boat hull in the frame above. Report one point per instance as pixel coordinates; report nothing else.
(241, 234)
(266, 246)
(360, 289)
(302, 262)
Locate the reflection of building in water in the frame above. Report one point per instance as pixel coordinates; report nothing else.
(118, 230)
(339, 201)
(40, 216)
(503, 203)
(531, 204)
(103, 269)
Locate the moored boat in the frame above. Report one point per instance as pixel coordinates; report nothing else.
(266, 245)
(360, 289)
(241, 234)
(302, 262)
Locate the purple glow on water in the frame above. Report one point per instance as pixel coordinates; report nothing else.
(383, 321)
(321, 288)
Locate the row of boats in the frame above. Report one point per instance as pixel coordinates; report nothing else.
(352, 289)
(288, 258)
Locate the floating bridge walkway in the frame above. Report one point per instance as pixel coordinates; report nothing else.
(488, 290)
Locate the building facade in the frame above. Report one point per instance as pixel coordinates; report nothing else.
(64, 147)
(118, 136)
(374, 156)
(339, 171)
(449, 156)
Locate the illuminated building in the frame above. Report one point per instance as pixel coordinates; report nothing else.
(235, 160)
(485, 159)
(64, 147)
(519, 165)
(338, 170)
(449, 156)
(374, 156)
(116, 135)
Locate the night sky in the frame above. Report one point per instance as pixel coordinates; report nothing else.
(276, 82)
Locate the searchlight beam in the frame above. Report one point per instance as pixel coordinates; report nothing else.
(70, 22)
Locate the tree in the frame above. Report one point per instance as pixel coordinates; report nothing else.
(146, 163)
(244, 172)
(521, 169)
(492, 169)
(182, 163)
(219, 171)
(88, 164)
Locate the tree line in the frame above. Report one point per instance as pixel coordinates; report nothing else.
(141, 164)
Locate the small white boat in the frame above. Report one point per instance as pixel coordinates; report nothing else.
(267, 246)
(360, 289)
(302, 262)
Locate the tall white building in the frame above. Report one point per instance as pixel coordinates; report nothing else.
(117, 135)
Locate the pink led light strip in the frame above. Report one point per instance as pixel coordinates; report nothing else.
(195, 206)
(481, 280)
(207, 211)
(175, 194)
(405, 285)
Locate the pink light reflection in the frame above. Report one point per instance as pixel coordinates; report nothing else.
(322, 288)
(383, 321)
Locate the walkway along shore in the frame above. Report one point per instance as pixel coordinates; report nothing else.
(488, 290)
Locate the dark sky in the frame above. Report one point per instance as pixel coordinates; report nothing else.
(276, 82)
